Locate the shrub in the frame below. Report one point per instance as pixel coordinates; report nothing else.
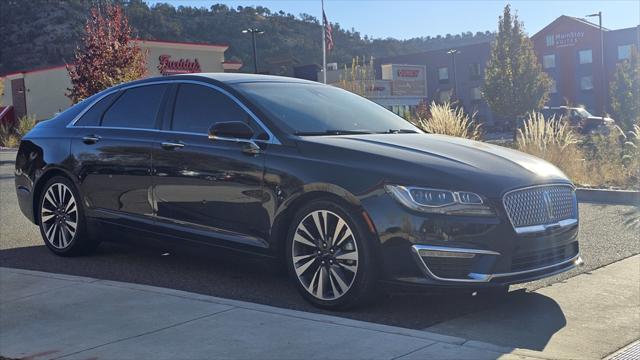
(553, 141)
(7, 136)
(10, 134)
(614, 158)
(25, 124)
(447, 120)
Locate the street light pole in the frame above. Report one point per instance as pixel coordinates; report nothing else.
(453, 53)
(253, 32)
(605, 87)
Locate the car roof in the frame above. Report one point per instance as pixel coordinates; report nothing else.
(236, 78)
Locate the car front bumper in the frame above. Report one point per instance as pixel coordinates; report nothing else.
(422, 254)
(464, 251)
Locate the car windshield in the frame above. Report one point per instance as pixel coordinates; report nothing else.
(309, 109)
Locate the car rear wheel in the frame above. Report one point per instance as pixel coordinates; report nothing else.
(61, 215)
(330, 256)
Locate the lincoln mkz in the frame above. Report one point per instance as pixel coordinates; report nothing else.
(348, 195)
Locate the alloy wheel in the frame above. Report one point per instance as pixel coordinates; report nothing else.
(325, 255)
(59, 215)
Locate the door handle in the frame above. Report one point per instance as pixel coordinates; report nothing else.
(171, 145)
(90, 139)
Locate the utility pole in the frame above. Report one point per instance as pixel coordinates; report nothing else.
(453, 53)
(253, 32)
(605, 86)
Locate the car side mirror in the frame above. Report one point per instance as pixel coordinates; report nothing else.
(230, 129)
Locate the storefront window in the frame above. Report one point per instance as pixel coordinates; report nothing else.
(549, 61)
(586, 83)
(624, 52)
(550, 41)
(443, 74)
(476, 94)
(475, 71)
(402, 110)
(585, 56)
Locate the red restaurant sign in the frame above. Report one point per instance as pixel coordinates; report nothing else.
(182, 66)
(408, 73)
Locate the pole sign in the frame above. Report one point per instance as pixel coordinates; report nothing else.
(167, 66)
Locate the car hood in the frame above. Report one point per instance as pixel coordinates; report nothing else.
(439, 160)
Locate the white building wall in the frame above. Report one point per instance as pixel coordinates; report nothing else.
(45, 89)
(45, 92)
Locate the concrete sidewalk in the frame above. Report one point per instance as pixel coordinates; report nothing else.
(50, 316)
(588, 316)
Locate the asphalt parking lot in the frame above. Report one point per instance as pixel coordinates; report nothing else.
(603, 240)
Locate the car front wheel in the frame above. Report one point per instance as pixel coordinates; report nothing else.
(330, 256)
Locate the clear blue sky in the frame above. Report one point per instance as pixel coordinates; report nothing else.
(403, 19)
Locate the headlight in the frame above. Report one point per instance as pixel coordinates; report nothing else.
(438, 201)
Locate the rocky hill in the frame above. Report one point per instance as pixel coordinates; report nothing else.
(38, 33)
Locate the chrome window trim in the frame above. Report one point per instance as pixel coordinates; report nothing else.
(541, 227)
(272, 138)
(484, 278)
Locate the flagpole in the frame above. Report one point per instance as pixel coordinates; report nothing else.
(324, 47)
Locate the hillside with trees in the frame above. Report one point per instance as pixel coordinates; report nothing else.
(39, 33)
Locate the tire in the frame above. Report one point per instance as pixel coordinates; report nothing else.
(336, 270)
(59, 210)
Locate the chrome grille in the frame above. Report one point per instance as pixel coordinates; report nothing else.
(540, 205)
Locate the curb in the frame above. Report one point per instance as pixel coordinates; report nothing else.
(612, 197)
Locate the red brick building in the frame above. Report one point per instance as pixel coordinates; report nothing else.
(570, 51)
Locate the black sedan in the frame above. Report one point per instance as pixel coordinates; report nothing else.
(343, 191)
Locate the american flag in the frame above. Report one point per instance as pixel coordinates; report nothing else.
(327, 31)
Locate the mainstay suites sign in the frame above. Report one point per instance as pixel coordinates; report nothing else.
(567, 39)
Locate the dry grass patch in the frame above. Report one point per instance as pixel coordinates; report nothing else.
(553, 141)
(447, 120)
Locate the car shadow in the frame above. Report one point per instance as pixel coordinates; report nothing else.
(228, 275)
(525, 320)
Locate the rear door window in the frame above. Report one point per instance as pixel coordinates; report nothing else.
(93, 116)
(137, 108)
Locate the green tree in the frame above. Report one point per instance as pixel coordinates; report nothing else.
(514, 81)
(625, 92)
(108, 56)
